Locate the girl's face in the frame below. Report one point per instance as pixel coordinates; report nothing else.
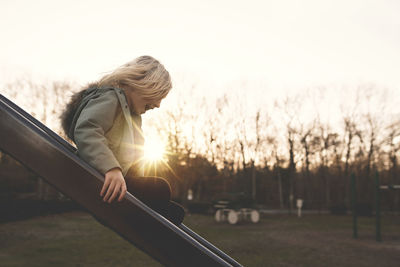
(139, 105)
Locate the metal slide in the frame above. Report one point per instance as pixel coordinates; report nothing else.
(54, 159)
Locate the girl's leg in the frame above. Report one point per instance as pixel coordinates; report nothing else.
(149, 189)
(156, 193)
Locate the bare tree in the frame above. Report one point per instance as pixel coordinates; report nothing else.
(393, 134)
(255, 151)
(290, 108)
(272, 140)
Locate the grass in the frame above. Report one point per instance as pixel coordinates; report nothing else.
(76, 239)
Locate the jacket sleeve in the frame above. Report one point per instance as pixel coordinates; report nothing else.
(93, 123)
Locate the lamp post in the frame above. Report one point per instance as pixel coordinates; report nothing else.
(354, 204)
(299, 204)
(378, 208)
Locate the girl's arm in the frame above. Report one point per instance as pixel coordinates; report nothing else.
(94, 121)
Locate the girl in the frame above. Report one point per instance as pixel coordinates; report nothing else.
(104, 121)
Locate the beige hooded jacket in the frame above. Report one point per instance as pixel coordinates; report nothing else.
(107, 134)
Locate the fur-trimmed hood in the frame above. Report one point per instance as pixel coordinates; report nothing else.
(69, 113)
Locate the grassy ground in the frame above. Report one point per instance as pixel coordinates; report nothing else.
(76, 239)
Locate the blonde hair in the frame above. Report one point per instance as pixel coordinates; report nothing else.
(145, 75)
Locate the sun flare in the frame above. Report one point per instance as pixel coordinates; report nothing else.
(154, 150)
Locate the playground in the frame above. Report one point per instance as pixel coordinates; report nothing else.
(200, 133)
(76, 239)
(277, 240)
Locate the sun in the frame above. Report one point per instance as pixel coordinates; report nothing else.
(154, 150)
(155, 157)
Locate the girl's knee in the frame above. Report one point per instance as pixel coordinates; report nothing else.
(162, 188)
(150, 188)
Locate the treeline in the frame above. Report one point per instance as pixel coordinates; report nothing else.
(274, 149)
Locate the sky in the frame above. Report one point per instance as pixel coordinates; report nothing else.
(282, 44)
(255, 51)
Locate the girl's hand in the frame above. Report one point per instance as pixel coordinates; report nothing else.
(115, 184)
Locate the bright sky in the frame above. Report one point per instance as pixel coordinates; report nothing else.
(282, 43)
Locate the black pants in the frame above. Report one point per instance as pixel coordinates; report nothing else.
(156, 193)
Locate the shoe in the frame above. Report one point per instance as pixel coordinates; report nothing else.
(175, 213)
